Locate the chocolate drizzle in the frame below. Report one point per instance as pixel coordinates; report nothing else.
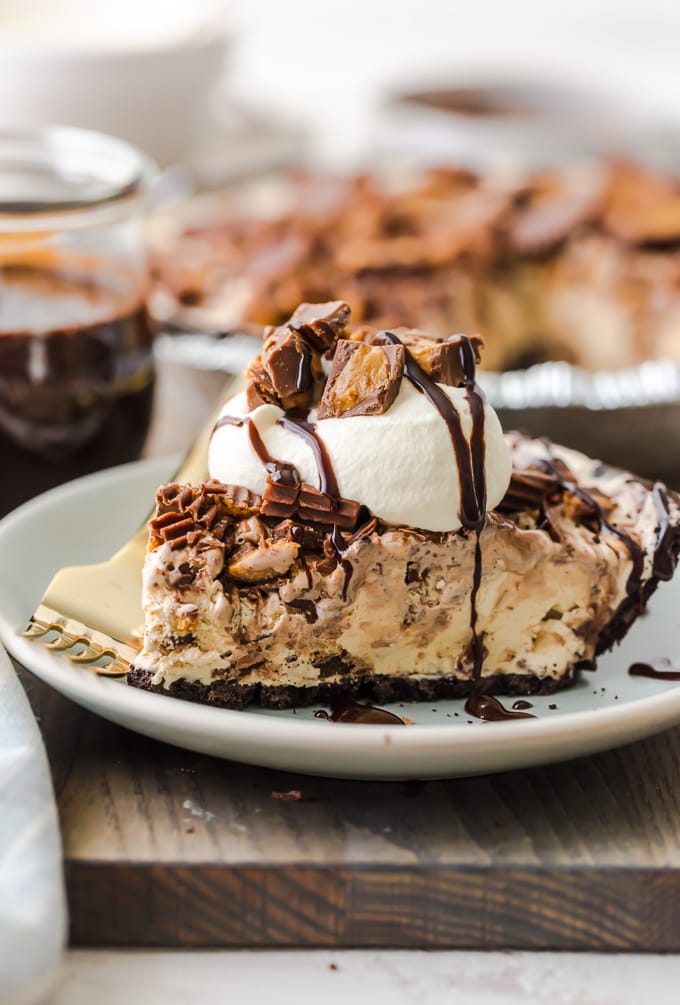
(535, 487)
(278, 471)
(561, 475)
(300, 427)
(469, 460)
(305, 374)
(658, 670)
(328, 484)
(469, 456)
(488, 708)
(667, 536)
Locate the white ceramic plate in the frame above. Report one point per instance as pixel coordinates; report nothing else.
(86, 520)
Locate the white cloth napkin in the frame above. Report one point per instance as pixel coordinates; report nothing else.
(32, 903)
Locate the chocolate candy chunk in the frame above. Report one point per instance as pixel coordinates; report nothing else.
(440, 358)
(289, 365)
(364, 380)
(311, 506)
(258, 563)
(307, 535)
(284, 372)
(318, 507)
(641, 207)
(280, 499)
(321, 325)
(234, 499)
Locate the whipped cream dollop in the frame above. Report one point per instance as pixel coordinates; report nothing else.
(401, 465)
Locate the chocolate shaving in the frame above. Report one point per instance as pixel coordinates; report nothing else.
(184, 513)
(538, 489)
(365, 530)
(364, 380)
(527, 490)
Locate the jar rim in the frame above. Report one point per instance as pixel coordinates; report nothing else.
(61, 169)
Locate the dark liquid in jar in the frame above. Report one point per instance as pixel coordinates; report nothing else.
(76, 377)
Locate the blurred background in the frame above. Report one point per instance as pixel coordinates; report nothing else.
(553, 228)
(282, 80)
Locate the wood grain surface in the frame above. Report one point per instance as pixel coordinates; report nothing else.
(169, 848)
(164, 847)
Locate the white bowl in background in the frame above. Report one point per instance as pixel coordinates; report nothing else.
(142, 71)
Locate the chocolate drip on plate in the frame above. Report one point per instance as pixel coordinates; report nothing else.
(657, 670)
(346, 710)
(520, 705)
(488, 708)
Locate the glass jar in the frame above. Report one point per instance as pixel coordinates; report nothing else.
(76, 368)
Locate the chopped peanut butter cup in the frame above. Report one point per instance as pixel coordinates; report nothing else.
(440, 358)
(321, 325)
(288, 368)
(364, 380)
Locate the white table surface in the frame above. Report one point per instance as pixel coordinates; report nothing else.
(398, 977)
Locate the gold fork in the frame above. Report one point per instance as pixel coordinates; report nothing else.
(93, 613)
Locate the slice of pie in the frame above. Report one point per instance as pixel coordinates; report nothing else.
(367, 529)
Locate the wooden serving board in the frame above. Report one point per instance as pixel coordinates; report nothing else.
(168, 848)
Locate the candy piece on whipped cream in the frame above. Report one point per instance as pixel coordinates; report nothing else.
(287, 370)
(364, 380)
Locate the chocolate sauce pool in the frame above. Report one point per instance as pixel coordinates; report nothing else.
(76, 377)
(345, 710)
(488, 708)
